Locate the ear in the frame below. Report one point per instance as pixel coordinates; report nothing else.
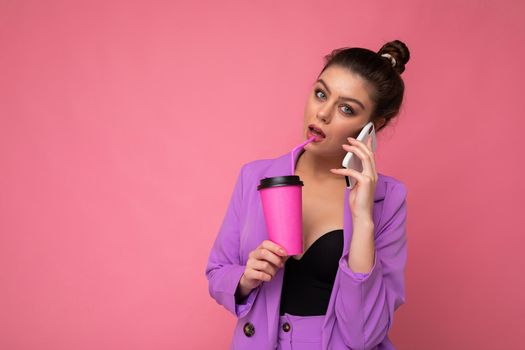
(379, 123)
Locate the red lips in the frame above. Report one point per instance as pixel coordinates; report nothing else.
(316, 130)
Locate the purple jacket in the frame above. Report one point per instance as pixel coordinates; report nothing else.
(361, 307)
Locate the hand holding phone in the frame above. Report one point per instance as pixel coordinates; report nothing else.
(352, 161)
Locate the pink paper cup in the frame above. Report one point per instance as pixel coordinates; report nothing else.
(281, 198)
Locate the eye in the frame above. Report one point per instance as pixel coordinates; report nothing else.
(349, 109)
(319, 92)
(316, 92)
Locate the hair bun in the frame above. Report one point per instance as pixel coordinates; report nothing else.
(399, 51)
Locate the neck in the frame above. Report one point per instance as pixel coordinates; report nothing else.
(318, 167)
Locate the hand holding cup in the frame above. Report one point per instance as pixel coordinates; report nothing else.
(262, 265)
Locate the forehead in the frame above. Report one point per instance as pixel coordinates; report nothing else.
(343, 82)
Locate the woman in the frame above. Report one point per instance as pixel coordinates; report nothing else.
(341, 293)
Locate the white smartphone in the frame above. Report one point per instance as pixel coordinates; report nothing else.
(352, 161)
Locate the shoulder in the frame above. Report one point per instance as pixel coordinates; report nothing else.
(391, 181)
(395, 198)
(394, 189)
(394, 206)
(258, 164)
(254, 170)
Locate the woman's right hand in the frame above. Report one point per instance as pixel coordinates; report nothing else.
(262, 265)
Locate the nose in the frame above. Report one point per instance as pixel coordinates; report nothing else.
(324, 114)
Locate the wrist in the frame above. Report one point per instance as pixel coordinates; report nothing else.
(242, 290)
(364, 221)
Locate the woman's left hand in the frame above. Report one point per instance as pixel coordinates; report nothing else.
(361, 197)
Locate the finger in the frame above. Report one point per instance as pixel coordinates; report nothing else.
(350, 172)
(365, 158)
(265, 254)
(257, 275)
(265, 266)
(368, 150)
(361, 145)
(261, 265)
(274, 247)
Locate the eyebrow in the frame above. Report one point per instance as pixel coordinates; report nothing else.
(342, 97)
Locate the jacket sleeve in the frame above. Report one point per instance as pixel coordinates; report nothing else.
(366, 302)
(224, 268)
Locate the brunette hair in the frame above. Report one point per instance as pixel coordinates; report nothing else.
(384, 78)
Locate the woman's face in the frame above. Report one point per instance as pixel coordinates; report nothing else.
(340, 105)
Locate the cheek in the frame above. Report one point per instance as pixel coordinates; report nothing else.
(309, 110)
(310, 103)
(338, 138)
(341, 136)
(350, 131)
(342, 132)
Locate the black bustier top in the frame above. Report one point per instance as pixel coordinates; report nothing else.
(308, 282)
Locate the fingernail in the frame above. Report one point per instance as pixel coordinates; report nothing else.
(281, 251)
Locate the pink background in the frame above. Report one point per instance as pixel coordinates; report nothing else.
(124, 123)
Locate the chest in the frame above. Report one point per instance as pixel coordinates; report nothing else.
(323, 210)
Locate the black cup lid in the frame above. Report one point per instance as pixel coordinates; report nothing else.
(289, 180)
